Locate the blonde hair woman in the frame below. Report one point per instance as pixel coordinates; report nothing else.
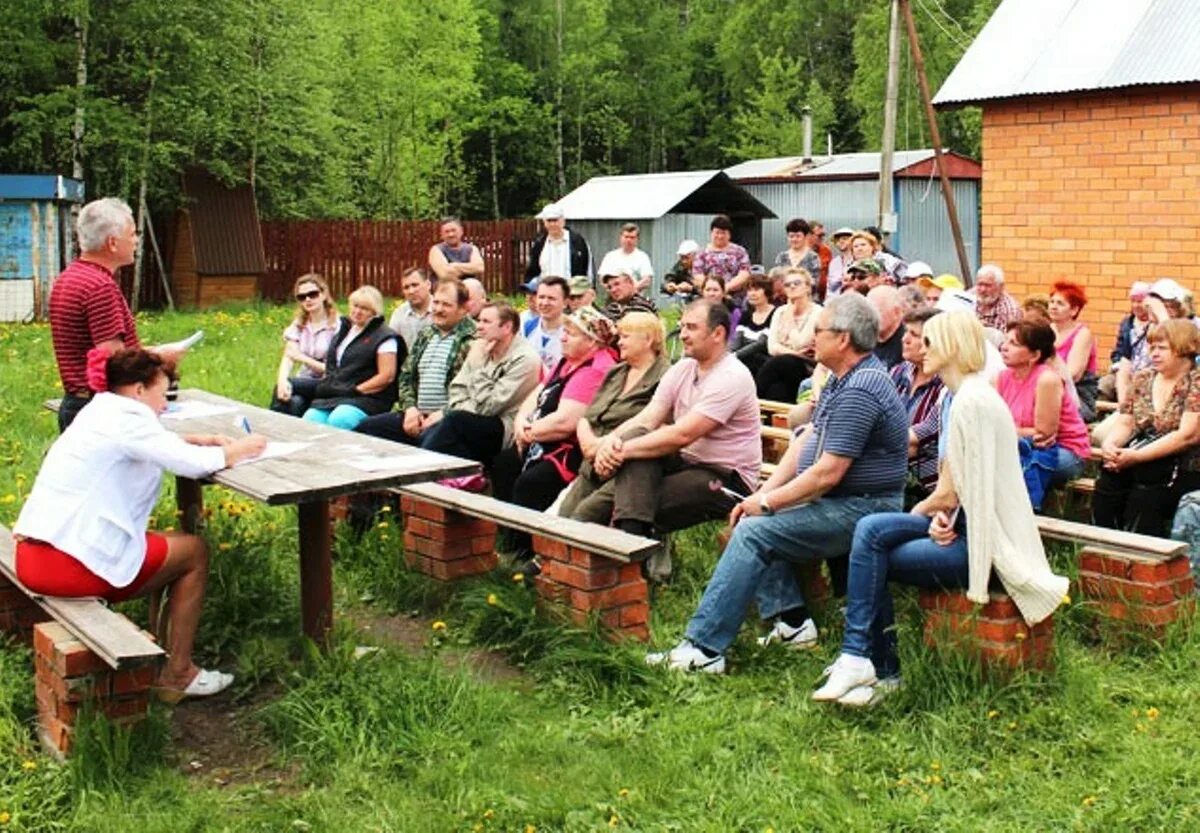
(979, 483)
(360, 367)
(305, 343)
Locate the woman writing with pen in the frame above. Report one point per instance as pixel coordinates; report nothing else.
(83, 530)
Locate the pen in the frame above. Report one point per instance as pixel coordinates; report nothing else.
(246, 425)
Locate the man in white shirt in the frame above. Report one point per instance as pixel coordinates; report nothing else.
(558, 250)
(628, 259)
(544, 333)
(415, 313)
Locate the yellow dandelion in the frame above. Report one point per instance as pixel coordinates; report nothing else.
(993, 714)
(382, 525)
(529, 828)
(935, 766)
(936, 779)
(1012, 725)
(623, 792)
(518, 577)
(1089, 800)
(489, 814)
(613, 821)
(385, 508)
(439, 625)
(1020, 636)
(477, 827)
(1152, 713)
(28, 766)
(5, 818)
(9, 498)
(1066, 599)
(224, 546)
(491, 599)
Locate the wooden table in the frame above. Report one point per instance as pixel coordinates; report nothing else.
(308, 477)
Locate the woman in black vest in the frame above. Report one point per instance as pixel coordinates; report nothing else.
(547, 455)
(360, 367)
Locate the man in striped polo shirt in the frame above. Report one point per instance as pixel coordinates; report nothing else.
(437, 354)
(848, 462)
(87, 308)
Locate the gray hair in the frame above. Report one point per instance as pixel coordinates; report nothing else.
(993, 270)
(854, 315)
(475, 287)
(100, 220)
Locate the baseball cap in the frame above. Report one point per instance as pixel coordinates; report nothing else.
(844, 231)
(1167, 289)
(531, 285)
(757, 269)
(552, 211)
(867, 264)
(1140, 289)
(687, 247)
(918, 269)
(953, 299)
(579, 284)
(944, 281)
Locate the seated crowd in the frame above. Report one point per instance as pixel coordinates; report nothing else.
(920, 407)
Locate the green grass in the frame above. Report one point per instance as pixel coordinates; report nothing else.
(587, 738)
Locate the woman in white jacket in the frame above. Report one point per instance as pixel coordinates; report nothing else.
(83, 530)
(978, 520)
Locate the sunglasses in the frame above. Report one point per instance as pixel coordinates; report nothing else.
(308, 296)
(790, 284)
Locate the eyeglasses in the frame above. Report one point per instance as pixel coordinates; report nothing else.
(790, 284)
(308, 296)
(818, 330)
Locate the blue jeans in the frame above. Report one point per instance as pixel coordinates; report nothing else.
(757, 562)
(346, 417)
(895, 547)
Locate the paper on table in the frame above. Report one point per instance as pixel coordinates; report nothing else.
(274, 449)
(194, 409)
(414, 462)
(186, 344)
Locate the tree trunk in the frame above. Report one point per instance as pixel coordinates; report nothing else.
(495, 173)
(81, 74)
(139, 256)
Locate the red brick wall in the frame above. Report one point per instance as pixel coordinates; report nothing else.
(1102, 188)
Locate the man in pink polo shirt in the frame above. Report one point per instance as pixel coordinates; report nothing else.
(667, 466)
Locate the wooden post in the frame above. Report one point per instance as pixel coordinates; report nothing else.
(947, 192)
(189, 498)
(316, 571)
(887, 147)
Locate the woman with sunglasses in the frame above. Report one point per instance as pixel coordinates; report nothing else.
(305, 343)
(790, 340)
(977, 521)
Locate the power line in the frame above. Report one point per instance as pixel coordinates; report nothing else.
(949, 17)
(950, 35)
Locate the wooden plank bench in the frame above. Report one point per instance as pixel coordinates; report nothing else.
(83, 651)
(587, 570)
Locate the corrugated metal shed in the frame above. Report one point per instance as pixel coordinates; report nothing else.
(851, 166)
(650, 196)
(224, 225)
(1039, 47)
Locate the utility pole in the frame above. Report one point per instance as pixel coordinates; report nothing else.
(887, 209)
(947, 191)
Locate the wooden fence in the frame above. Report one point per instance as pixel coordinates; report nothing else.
(350, 253)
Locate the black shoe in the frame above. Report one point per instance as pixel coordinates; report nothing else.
(529, 570)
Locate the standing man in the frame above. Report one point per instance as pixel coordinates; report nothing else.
(558, 251)
(629, 259)
(87, 308)
(995, 307)
(415, 313)
(454, 258)
(665, 467)
(437, 354)
(544, 332)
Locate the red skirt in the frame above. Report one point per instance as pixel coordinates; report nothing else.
(49, 571)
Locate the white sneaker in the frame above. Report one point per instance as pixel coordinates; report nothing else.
(803, 638)
(869, 695)
(847, 672)
(687, 657)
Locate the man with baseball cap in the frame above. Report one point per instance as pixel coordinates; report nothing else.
(860, 273)
(558, 251)
(678, 281)
(582, 294)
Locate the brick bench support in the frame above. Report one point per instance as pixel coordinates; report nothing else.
(1144, 593)
(71, 678)
(995, 632)
(445, 544)
(582, 584)
(18, 612)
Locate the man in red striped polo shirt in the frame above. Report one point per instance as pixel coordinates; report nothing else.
(87, 308)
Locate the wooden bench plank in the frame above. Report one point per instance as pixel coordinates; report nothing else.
(771, 433)
(768, 406)
(110, 635)
(612, 543)
(1146, 547)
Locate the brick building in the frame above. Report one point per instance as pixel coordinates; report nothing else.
(1091, 145)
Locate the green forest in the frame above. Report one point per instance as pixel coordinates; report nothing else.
(411, 109)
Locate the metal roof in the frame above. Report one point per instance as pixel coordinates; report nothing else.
(649, 196)
(1039, 47)
(838, 166)
(226, 236)
(40, 187)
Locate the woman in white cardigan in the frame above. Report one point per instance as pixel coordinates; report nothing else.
(83, 530)
(978, 520)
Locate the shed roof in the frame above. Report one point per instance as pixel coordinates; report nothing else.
(850, 166)
(1040, 47)
(650, 196)
(226, 235)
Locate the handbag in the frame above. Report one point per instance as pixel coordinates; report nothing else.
(1162, 472)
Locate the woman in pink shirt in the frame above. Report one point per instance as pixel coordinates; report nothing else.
(1053, 438)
